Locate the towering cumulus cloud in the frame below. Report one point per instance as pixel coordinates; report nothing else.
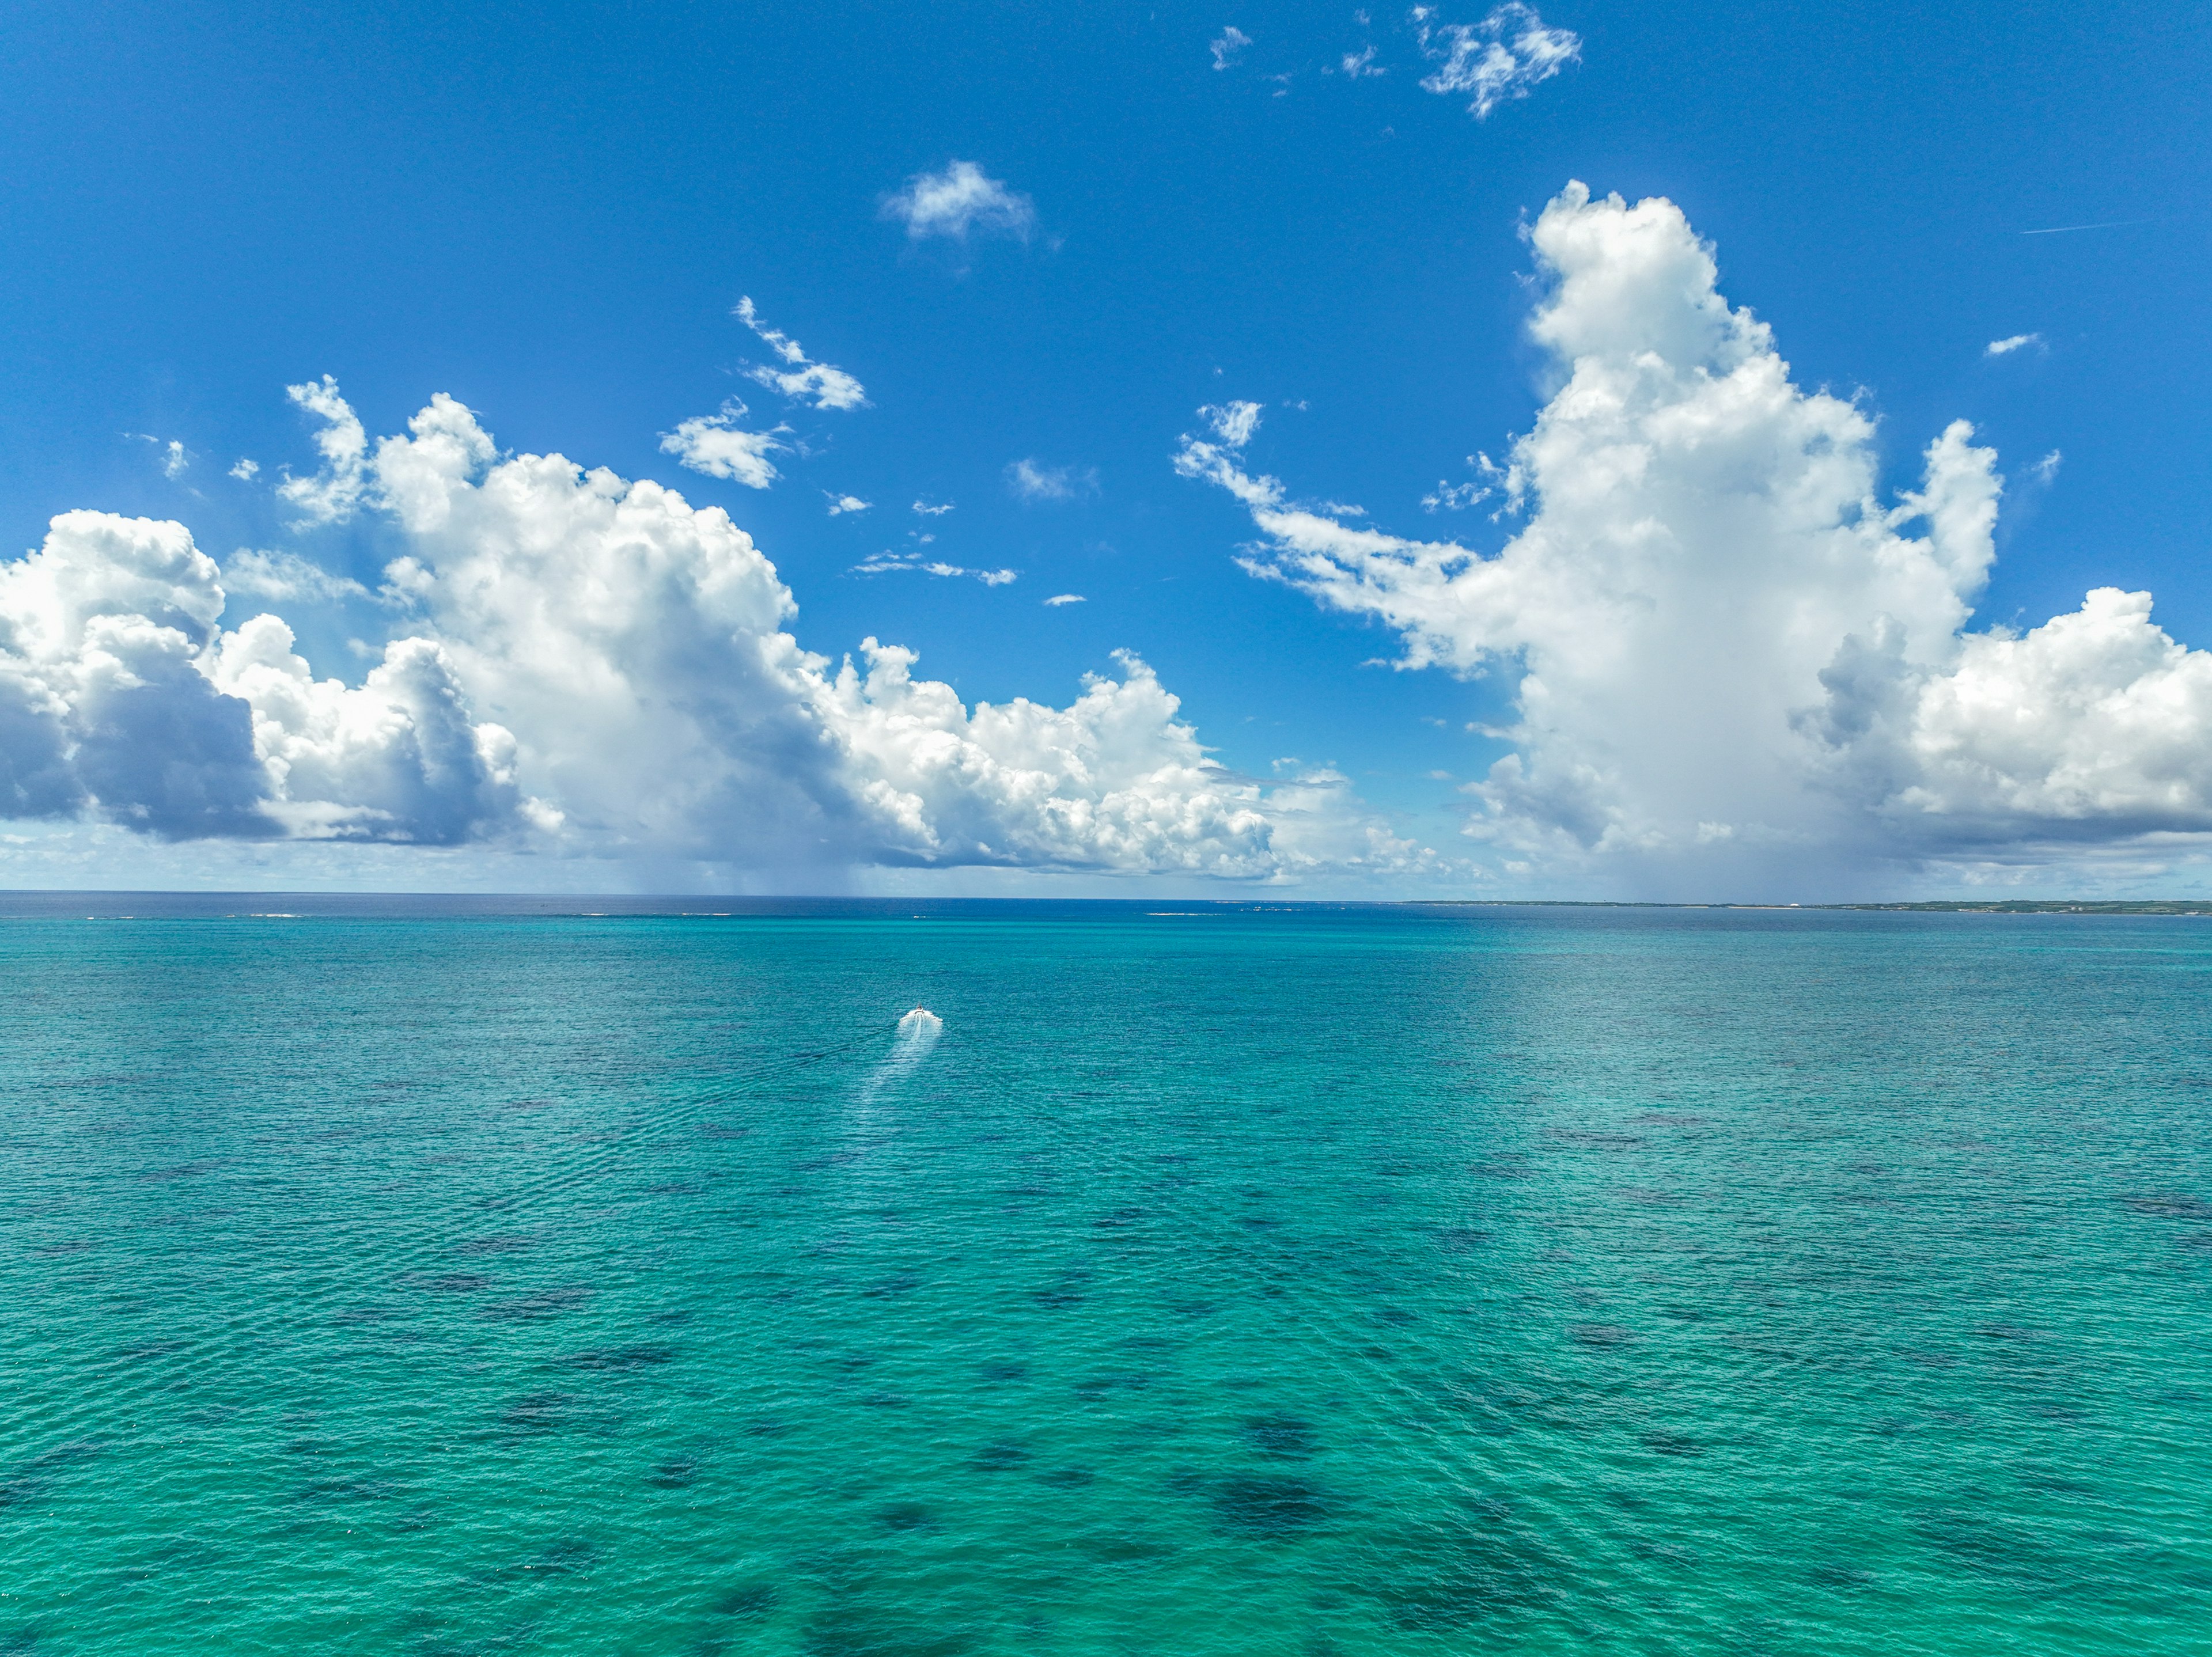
(589, 665)
(1726, 644)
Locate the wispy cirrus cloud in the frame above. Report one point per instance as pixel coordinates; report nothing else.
(888, 563)
(1228, 47)
(175, 459)
(801, 378)
(1505, 56)
(285, 577)
(1033, 482)
(2016, 343)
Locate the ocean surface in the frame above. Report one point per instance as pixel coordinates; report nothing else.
(424, 1276)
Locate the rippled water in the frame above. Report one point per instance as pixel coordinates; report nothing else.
(409, 1279)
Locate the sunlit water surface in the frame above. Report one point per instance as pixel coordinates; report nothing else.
(410, 1279)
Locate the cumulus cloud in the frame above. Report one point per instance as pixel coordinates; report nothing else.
(960, 199)
(584, 664)
(1031, 481)
(800, 379)
(2015, 343)
(1720, 635)
(247, 470)
(933, 509)
(842, 504)
(120, 696)
(717, 445)
(1060, 598)
(1228, 47)
(1503, 56)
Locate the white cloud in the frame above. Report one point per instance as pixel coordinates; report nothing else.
(1033, 483)
(119, 696)
(800, 377)
(717, 445)
(2047, 468)
(960, 199)
(1228, 47)
(592, 667)
(1501, 58)
(333, 492)
(1060, 598)
(841, 504)
(284, 576)
(247, 470)
(1717, 631)
(929, 510)
(175, 460)
(887, 562)
(1454, 497)
(1233, 423)
(2016, 343)
(1357, 65)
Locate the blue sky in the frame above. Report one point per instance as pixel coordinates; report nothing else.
(549, 213)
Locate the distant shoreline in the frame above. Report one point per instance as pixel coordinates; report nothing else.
(1954, 907)
(30, 903)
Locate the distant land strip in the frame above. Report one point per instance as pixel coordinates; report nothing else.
(2028, 905)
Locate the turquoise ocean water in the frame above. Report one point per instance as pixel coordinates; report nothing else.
(418, 1277)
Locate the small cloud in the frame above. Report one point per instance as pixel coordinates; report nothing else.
(1031, 481)
(285, 577)
(1358, 65)
(1232, 422)
(1502, 57)
(888, 563)
(961, 198)
(929, 509)
(1454, 497)
(840, 504)
(830, 388)
(2016, 342)
(1229, 46)
(714, 445)
(247, 470)
(2047, 468)
(1060, 598)
(174, 459)
(331, 495)
(1343, 509)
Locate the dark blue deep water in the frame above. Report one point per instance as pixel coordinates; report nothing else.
(450, 1276)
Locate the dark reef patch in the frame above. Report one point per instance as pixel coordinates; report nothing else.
(532, 1309)
(1284, 1438)
(1601, 1336)
(999, 1456)
(1263, 1506)
(620, 1358)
